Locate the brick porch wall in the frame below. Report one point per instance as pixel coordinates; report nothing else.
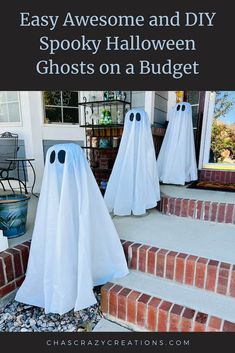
(221, 176)
(13, 265)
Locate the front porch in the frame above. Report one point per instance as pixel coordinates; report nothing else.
(174, 257)
(144, 227)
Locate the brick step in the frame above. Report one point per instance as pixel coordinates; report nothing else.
(206, 274)
(145, 303)
(205, 205)
(212, 211)
(13, 265)
(204, 239)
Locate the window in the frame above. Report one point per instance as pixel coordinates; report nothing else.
(61, 107)
(9, 107)
(222, 148)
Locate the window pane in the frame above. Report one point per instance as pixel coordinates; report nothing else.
(53, 115)
(193, 97)
(14, 113)
(12, 96)
(223, 129)
(70, 98)
(61, 107)
(195, 115)
(52, 98)
(3, 113)
(9, 107)
(3, 97)
(70, 115)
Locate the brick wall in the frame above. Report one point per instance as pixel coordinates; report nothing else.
(13, 264)
(198, 209)
(200, 272)
(221, 176)
(184, 268)
(140, 311)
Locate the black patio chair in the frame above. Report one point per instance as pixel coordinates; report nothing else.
(8, 150)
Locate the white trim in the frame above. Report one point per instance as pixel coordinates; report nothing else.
(171, 102)
(204, 129)
(17, 124)
(149, 103)
(61, 125)
(31, 108)
(42, 108)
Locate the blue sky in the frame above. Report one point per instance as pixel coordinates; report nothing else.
(229, 118)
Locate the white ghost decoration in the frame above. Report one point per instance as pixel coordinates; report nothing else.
(75, 245)
(133, 186)
(177, 161)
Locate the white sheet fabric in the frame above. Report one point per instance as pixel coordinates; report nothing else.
(75, 245)
(133, 186)
(176, 161)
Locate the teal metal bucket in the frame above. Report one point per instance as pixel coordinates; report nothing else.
(13, 214)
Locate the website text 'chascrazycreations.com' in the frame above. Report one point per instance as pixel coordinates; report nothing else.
(117, 342)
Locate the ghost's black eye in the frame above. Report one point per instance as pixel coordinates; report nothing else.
(61, 156)
(178, 107)
(183, 108)
(138, 117)
(131, 116)
(52, 157)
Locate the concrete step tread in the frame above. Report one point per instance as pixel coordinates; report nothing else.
(194, 298)
(198, 194)
(105, 325)
(206, 239)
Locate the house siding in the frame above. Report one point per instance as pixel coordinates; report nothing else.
(49, 143)
(138, 99)
(20, 154)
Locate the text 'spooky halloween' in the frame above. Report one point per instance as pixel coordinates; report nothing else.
(51, 46)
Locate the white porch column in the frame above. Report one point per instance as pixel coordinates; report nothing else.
(32, 112)
(171, 102)
(149, 104)
(206, 128)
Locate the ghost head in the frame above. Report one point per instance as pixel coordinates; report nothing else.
(183, 107)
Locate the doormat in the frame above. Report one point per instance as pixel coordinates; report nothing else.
(211, 185)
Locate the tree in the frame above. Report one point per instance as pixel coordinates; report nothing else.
(222, 139)
(223, 136)
(223, 104)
